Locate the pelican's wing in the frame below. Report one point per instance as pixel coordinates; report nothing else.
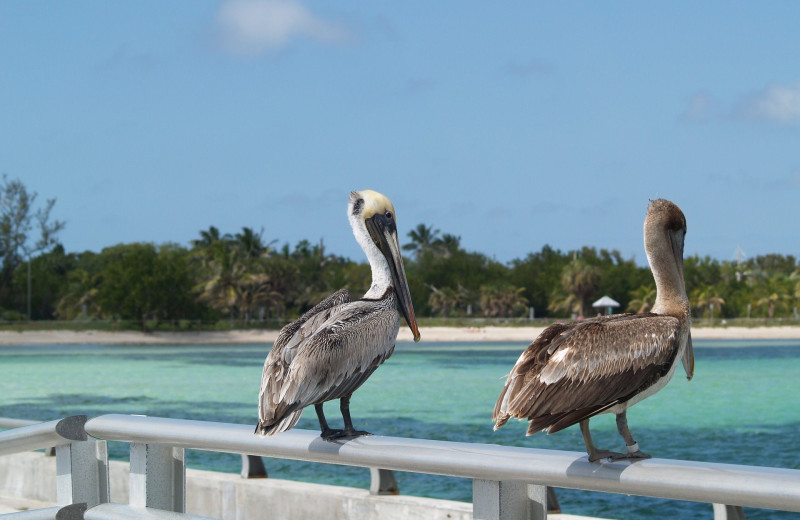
(343, 353)
(280, 357)
(571, 372)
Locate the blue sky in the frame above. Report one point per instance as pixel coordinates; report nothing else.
(512, 125)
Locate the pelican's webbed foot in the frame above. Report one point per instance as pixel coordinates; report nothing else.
(634, 453)
(332, 435)
(596, 455)
(329, 434)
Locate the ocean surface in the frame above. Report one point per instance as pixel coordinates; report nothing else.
(742, 407)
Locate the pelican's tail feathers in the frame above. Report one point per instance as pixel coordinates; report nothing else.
(285, 423)
(501, 420)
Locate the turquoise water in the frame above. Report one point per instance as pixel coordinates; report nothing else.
(742, 407)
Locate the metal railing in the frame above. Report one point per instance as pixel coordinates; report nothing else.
(508, 482)
(81, 461)
(8, 422)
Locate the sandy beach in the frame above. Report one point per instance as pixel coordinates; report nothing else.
(429, 334)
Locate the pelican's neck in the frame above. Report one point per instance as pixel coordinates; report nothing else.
(667, 268)
(381, 273)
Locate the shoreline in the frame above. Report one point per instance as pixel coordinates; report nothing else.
(429, 334)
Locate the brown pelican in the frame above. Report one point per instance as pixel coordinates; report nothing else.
(333, 348)
(574, 371)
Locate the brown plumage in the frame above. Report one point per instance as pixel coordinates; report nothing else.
(574, 371)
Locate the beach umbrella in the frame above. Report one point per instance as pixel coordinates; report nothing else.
(607, 302)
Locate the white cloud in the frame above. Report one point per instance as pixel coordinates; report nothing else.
(252, 27)
(776, 103)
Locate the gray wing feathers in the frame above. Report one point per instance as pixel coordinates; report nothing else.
(574, 371)
(279, 359)
(340, 357)
(327, 357)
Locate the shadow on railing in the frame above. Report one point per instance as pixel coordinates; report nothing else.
(508, 482)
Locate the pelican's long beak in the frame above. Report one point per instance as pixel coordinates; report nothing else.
(676, 242)
(384, 234)
(688, 358)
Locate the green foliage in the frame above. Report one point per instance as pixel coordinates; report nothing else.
(242, 279)
(540, 275)
(49, 279)
(503, 300)
(142, 282)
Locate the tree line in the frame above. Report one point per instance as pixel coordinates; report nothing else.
(243, 278)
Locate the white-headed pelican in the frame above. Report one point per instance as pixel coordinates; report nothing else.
(333, 348)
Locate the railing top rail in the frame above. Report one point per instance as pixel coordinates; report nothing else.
(8, 422)
(769, 488)
(42, 435)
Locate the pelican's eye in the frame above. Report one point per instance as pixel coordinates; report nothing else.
(388, 215)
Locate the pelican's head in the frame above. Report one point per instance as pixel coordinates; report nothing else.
(665, 224)
(374, 224)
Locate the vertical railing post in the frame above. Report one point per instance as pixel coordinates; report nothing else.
(81, 465)
(382, 482)
(725, 512)
(158, 477)
(253, 467)
(507, 500)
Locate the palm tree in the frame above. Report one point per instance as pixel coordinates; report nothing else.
(222, 268)
(707, 297)
(503, 300)
(252, 243)
(312, 262)
(642, 299)
(795, 278)
(448, 245)
(561, 302)
(209, 238)
(443, 301)
(252, 291)
(80, 298)
(775, 294)
(423, 238)
(580, 280)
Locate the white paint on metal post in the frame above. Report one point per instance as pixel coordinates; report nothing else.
(508, 500)
(537, 502)
(82, 473)
(158, 477)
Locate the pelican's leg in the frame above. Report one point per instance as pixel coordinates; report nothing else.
(633, 447)
(327, 433)
(349, 431)
(594, 453)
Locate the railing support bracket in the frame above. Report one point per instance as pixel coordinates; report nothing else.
(158, 477)
(508, 500)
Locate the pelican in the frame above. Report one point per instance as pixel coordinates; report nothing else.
(574, 371)
(333, 348)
